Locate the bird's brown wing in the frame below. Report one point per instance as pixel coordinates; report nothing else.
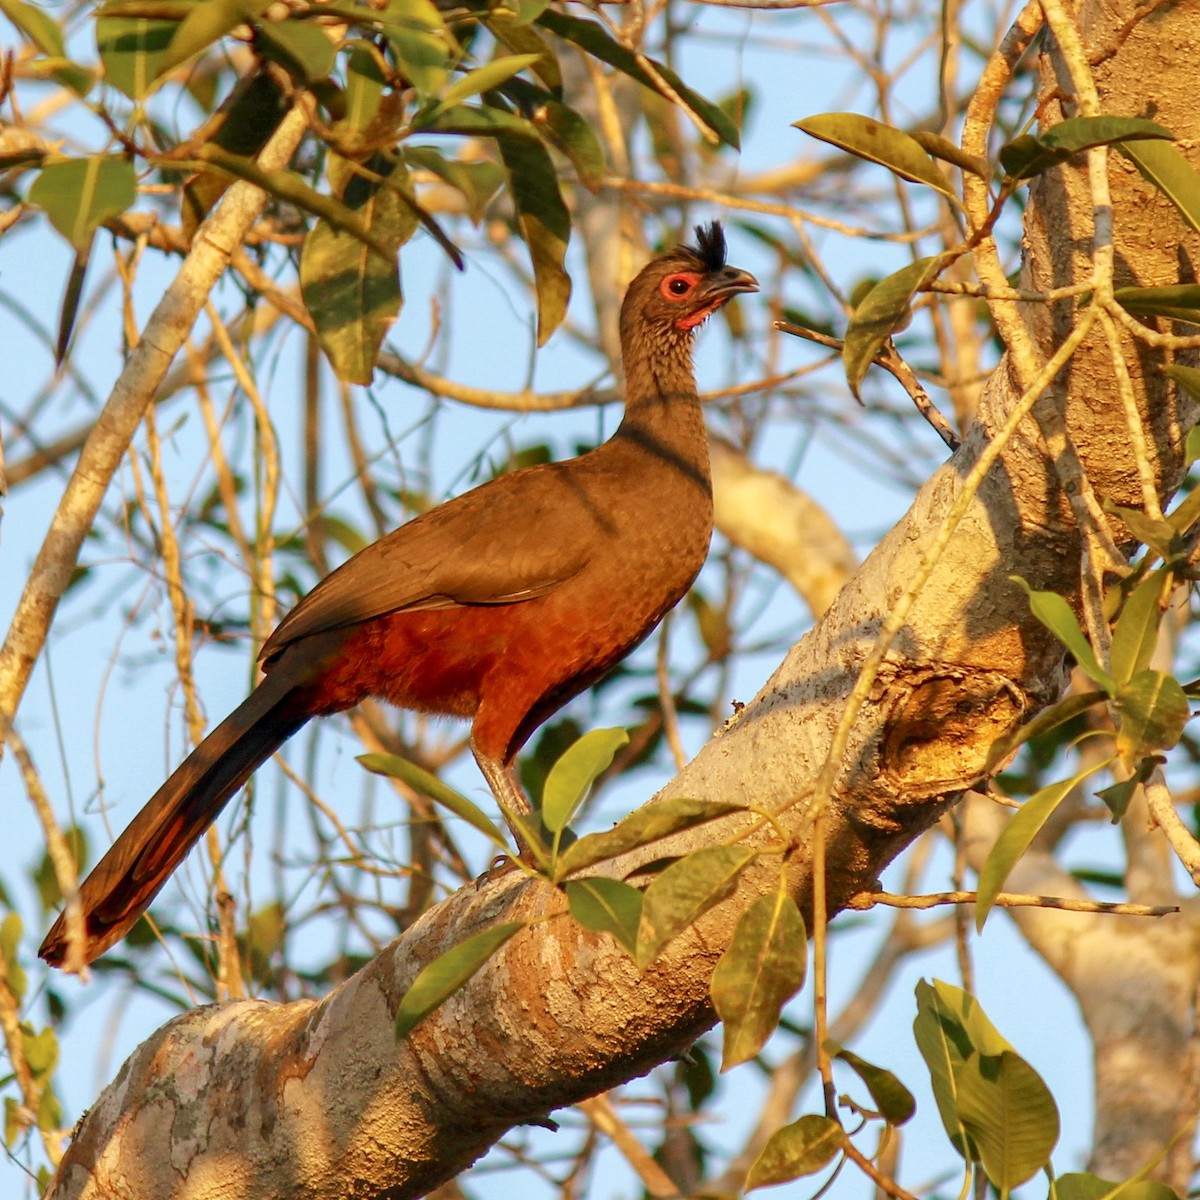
(494, 545)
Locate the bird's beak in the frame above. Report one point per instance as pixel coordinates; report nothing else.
(726, 283)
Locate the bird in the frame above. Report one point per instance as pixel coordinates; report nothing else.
(499, 605)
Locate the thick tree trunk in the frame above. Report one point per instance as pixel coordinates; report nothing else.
(319, 1099)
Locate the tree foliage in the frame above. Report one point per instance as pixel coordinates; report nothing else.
(259, 360)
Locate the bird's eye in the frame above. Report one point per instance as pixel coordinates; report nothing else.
(676, 287)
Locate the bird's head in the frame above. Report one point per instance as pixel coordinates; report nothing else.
(676, 292)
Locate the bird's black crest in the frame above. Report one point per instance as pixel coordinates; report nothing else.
(710, 245)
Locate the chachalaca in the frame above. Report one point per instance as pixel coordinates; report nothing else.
(499, 605)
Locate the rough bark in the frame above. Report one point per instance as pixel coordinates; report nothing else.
(319, 1100)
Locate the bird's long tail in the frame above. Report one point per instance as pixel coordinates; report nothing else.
(140, 861)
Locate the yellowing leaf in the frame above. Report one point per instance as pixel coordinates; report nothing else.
(78, 195)
(685, 891)
(801, 1148)
(762, 969)
(867, 138)
(881, 310)
(641, 827)
(545, 225)
(893, 1101)
(353, 293)
(1153, 710)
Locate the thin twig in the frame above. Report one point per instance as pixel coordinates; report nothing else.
(1162, 809)
(866, 900)
(890, 359)
(600, 1112)
(109, 440)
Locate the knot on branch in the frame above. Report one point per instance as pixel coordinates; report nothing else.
(940, 724)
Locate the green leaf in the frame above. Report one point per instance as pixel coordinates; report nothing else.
(49, 1114)
(431, 786)
(1065, 710)
(520, 37)
(1017, 836)
(1027, 155)
(251, 113)
(14, 1121)
(41, 1051)
(64, 71)
(1187, 513)
(1056, 615)
(1078, 1185)
(591, 38)
(893, 1101)
(45, 879)
(1190, 378)
(944, 1013)
(573, 774)
(417, 35)
(1136, 632)
(291, 187)
(575, 137)
(1153, 710)
(951, 152)
(132, 50)
(10, 939)
(353, 293)
(1176, 302)
(364, 88)
(684, 892)
(1191, 449)
(300, 47)
(658, 820)
(545, 225)
(1118, 796)
(1164, 166)
(880, 312)
(762, 969)
(205, 24)
(867, 138)
(79, 194)
(449, 972)
(72, 295)
(607, 906)
(801, 1148)
(528, 10)
(468, 120)
(477, 181)
(38, 26)
(1156, 534)
(485, 78)
(965, 1010)
(1010, 1117)
(1084, 133)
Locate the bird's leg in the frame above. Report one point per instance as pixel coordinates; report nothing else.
(514, 804)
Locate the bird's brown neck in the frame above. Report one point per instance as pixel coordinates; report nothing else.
(663, 416)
